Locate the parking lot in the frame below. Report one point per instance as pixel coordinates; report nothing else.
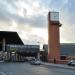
(26, 68)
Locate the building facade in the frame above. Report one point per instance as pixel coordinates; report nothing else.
(67, 51)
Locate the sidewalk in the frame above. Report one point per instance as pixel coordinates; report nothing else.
(65, 66)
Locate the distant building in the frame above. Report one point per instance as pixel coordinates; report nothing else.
(67, 50)
(24, 50)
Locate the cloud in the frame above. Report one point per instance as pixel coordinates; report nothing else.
(10, 10)
(29, 38)
(68, 20)
(53, 5)
(23, 15)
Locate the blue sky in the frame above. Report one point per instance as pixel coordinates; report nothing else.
(29, 19)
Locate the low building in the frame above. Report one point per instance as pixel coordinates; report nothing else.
(24, 50)
(13, 48)
(67, 51)
(8, 37)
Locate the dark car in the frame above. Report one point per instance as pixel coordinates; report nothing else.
(71, 63)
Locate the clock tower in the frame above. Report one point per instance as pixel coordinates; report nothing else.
(53, 37)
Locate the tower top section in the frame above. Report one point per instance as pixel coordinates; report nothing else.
(53, 17)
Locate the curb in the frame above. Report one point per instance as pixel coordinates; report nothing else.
(58, 66)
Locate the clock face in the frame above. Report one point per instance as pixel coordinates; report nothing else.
(54, 16)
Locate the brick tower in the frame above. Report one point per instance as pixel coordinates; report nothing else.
(53, 36)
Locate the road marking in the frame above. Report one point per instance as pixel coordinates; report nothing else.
(2, 73)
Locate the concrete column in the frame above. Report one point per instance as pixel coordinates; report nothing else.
(38, 56)
(3, 47)
(3, 44)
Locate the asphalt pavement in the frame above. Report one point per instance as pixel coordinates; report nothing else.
(65, 66)
(28, 69)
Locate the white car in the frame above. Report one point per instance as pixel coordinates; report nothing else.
(35, 62)
(71, 63)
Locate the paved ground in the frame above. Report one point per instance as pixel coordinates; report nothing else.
(65, 66)
(27, 69)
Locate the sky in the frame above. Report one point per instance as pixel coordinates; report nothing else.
(29, 19)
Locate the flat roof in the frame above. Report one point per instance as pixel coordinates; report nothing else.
(11, 37)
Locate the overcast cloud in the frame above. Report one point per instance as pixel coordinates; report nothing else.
(68, 21)
(24, 16)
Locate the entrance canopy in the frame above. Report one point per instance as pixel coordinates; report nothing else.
(10, 37)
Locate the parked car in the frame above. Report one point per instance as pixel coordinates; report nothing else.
(71, 63)
(35, 62)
